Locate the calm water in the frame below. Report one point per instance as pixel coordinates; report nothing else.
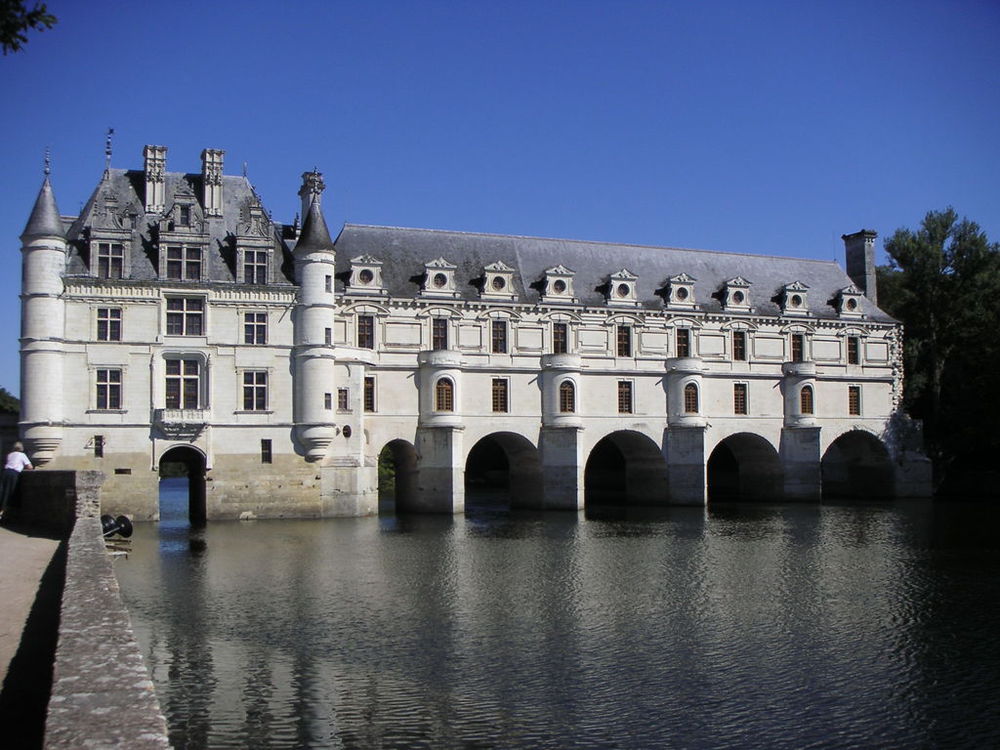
(746, 626)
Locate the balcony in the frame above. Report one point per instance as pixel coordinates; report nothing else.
(181, 422)
(804, 369)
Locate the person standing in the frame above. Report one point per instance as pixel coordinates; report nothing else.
(16, 462)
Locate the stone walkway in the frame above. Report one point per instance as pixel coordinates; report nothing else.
(23, 560)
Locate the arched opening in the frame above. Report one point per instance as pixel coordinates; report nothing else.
(182, 486)
(503, 469)
(625, 468)
(744, 467)
(857, 465)
(397, 476)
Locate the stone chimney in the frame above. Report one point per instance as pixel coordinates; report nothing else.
(311, 190)
(860, 251)
(155, 166)
(211, 174)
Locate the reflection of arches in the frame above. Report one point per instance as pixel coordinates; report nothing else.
(183, 460)
(505, 463)
(397, 474)
(857, 465)
(744, 467)
(625, 468)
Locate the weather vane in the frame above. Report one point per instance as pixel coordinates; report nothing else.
(48, 162)
(107, 149)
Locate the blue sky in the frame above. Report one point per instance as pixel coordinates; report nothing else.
(763, 127)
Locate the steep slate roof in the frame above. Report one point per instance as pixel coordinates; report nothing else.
(405, 251)
(315, 234)
(44, 220)
(120, 195)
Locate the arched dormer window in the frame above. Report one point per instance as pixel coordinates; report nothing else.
(690, 399)
(567, 397)
(444, 395)
(806, 399)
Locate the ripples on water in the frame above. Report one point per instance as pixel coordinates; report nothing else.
(746, 626)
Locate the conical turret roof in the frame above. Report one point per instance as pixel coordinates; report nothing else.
(44, 220)
(315, 234)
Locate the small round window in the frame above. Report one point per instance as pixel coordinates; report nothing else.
(852, 304)
(796, 301)
(366, 276)
(738, 298)
(440, 280)
(559, 286)
(499, 283)
(682, 293)
(623, 290)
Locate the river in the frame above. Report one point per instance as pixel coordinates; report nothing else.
(771, 626)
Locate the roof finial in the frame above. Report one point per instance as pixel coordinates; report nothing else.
(107, 149)
(244, 170)
(48, 162)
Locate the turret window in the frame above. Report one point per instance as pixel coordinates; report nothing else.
(567, 397)
(110, 260)
(109, 389)
(806, 399)
(690, 399)
(109, 324)
(444, 395)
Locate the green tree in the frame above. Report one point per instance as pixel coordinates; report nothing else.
(943, 283)
(9, 404)
(16, 20)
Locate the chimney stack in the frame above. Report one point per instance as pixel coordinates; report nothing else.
(311, 190)
(155, 166)
(211, 173)
(860, 251)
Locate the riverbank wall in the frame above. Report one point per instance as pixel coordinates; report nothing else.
(102, 694)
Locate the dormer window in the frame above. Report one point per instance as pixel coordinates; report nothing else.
(498, 281)
(557, 285)
(184, 215)
(849, 302)
(736, 295)
(680, 291)
(794, 299)
(365, 276)
(183, 263)
(439, 279)
(621, 289)
(110, 259)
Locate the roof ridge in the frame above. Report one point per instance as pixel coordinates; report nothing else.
(588, 242)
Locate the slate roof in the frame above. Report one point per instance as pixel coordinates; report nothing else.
(405, 252)
(44, 220)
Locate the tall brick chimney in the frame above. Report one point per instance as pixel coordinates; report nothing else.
(860, 251)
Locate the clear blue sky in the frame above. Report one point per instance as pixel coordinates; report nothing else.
(764, 127)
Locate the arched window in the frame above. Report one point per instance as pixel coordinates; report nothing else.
(690, 399)
(567, 397)
(444, 395)
(806, 399)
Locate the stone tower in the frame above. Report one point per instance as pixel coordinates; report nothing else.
(860, 250)
(43, 249)
(314, 316)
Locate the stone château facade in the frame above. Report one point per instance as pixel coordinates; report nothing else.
(174, 321)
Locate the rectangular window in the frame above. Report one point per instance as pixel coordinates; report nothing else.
(255, 390)
(854, 400)
(369, 394)
(109, 389)
(624, 396)
(498, 336)
(185, 316)
(255, 328)
(265, 451)
(439, 333)
(798, 347)
(343, 399)
(500, 395)
(366, 332)
(739, 346)
(739, 398)
(110, 260)
(328, 336)
(183, 263)
(98, 446)
(560, 338)
(328, 401)
(184, 215)
(683, 342)
(109, 324)
(329, 284)
(624, 338)
(853, 350)
(183, 383)
(255, 266)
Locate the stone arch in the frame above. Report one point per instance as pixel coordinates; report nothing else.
(744, 466)
(397, 475)
(504, 466)
(857, 465)
(625, 468)
(189, 462)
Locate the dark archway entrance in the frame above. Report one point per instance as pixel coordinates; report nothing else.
(503, 469)
(744, 467)
(397, 476)
(855, 466)
(625, 468)
(183, 468)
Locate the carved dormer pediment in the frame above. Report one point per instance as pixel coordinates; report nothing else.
(794, 299)
(680, 291)
(365, 276)
(439, 279)
(254, 221)
(621, 289)
(498, 282)
(557, 285)
(736, 295)
(848, 302)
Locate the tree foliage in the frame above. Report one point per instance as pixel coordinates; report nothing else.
(16, 20)
(943, 283)
(9, 404)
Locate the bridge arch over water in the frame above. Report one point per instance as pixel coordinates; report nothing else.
(857, 465)
(186, 460)
(504, 466)
(744, 466)
(397, 474)
(625, 468)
